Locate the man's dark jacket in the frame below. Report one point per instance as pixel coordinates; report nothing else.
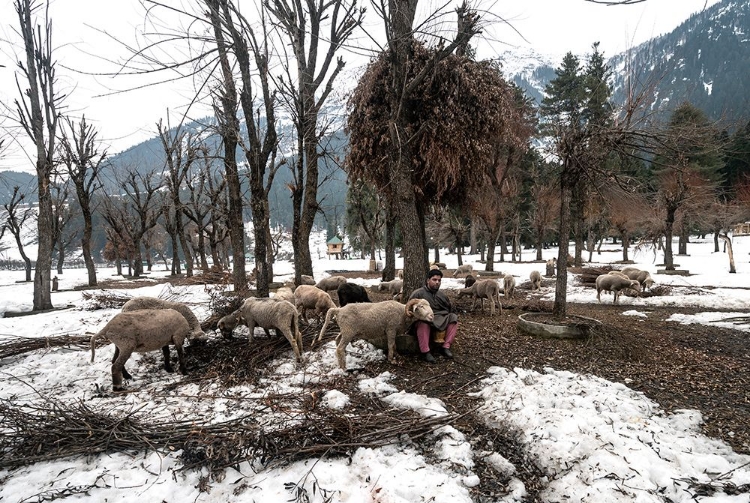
(440, 304)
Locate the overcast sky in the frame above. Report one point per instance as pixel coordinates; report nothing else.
(124, 119)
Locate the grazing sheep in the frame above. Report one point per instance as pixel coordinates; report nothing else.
(614, 283)
(284, 293)
(400, 274)
(139, 303)
(228, 323)
(438, 265)
(277, 314)
(311, 297)
(393, 286)
(643, 277)
(509, 286)
(371, 321)
(349, 293)
(484, 289)
(141, 331)
(469, 280)
(536, 280)
(330, 283)
(463, 269)
(307, 280)
(551, 266)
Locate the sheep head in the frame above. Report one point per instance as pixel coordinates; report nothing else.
(419, 309)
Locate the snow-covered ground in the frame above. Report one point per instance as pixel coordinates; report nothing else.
(595, 440)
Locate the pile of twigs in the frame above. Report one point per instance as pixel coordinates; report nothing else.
(104, 299)
(53, 430)
(12, 345)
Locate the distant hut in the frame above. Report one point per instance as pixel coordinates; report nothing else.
(335, 247)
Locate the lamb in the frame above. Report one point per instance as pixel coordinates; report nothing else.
(469, 280)
(614, 283)
(509, 286)
(139, 303)
(277, 314)
(536, 280)
(643, 277)
(393, 287)
(311, 297)
(484, 289)
(463, 269)
(371, 321)
(349, 293)
(307, 280)
(330, 283)
(141, 331)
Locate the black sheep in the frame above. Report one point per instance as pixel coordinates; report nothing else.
(349, 293)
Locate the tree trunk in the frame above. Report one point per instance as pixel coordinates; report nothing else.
(625, 244)
(668, 225)
(389, 270)
(86, 245)
(578, 203)
(539, 244)
(473, 237)
(716, 241)
(728, 244)
(561, 285)
(60, 256)
(682, 247)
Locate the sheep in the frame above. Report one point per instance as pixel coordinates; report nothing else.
(307, 280)
(400, 274)
(643, 277)
(509, 286)
(371, 321)
(484, 289)
(469, 280)
(393, 287)
(284, 293)
(330, 283)
(463, 269)
(228, 323)
(139, 303)
(614, 283)
(536, 280)
(438, 265)
(141, 331)
(278, 314)
(349, 293)
(311, 297)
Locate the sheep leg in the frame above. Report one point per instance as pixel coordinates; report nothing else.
(291, 338)
(492, 306)
(251, 327)
(180, 357)
(118, 368)
(341, 349)
(391, 336)
(125, 373)
(617, 296)
(167, 364)
(598, 295)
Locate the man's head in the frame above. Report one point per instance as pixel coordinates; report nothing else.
(434, 277)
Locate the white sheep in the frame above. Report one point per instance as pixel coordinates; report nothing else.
(614, 283)
(311, 297)
(277, 314)
(400, 274)
(463, 269)
(141, 331)
(139, 303)
(307, 280)
(372, 321)
(438, 265)
(228, 323)
(551, 265)
(643, 277)
(393, 286)
(483, 289)
(509, 286)
(536, 280)
(330, 283)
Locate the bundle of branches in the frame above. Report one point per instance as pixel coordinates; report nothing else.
(12, 345)
(238, 362)
(55, 430)
(588, 275)
(104, 299)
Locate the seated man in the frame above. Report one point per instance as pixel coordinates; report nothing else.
(445, 319)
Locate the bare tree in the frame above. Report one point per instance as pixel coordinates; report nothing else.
(38, 113)
(64, 215)
(82, 161)
(17, 213)
(301, 23)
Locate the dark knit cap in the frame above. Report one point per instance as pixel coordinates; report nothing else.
(434, 272)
